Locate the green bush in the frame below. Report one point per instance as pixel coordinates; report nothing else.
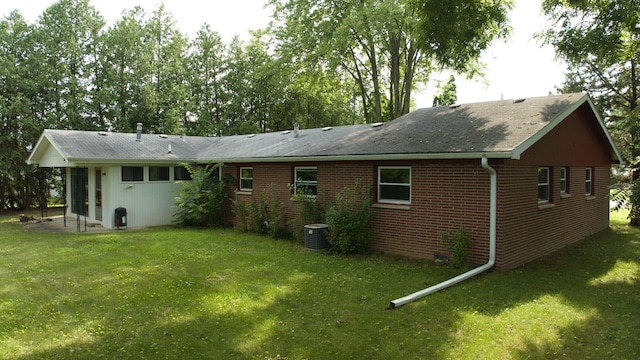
(200, 201)
(458, 244)
(348, 219)
(265, 215)
(312, 211)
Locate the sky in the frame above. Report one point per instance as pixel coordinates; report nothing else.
(518, 68)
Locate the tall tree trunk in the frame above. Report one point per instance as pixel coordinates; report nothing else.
(635, 150)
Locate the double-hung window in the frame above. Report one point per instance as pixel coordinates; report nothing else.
(306, 181)
(588, 181)
(564, 180)
(543, 184)
(394, 184)
(246, 179)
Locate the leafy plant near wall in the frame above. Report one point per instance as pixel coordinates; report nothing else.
(312, 211)
(349, 219)
(458, 244)
(265, 215)
(200, 201)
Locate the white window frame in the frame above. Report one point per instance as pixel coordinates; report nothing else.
(588, 181)
(297, 182)
(380, 184)
(547, 184)
(241, 178)
(159, 166)
(564, 180)
(131, 181)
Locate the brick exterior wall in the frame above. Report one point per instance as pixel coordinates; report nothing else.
(448, 194)
(527, 230)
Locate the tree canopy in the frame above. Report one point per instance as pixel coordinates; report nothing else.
(321, 64)
(600, 42)
(386, 47)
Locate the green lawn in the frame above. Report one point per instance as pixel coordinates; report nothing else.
(170, 293)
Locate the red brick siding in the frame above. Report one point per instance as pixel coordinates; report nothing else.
(447, 195)
(443, 196)
(527, 230)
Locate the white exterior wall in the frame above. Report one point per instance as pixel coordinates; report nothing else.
(147, 203)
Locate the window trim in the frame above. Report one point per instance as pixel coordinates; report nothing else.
(296, 183)
(241, 178)
(564, 180)
(380, 183)
(159, 167)
(588, 181)
(134, 180)
(547, 184)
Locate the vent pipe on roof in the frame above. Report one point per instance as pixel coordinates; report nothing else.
(139, 132)
(296, 129)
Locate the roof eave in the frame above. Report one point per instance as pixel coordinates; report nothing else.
(374, 157)
(517, 152)
(115, 161)
(34, 151)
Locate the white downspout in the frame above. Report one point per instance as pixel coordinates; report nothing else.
(492, 247)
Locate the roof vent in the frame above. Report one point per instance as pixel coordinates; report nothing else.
(169, 149)
(378, 124)
(454, 106)
(103, 133)
(139, 132)
(285, 132)
(164, 136)
(296, 129)
(327, 128)
(518, 101)
(251, 135)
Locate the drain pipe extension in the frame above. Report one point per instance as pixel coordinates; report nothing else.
(492, 247)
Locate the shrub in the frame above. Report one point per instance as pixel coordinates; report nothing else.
(264, 215)
(312, 211)
(200, 201)
(349, 218)
(458, 244)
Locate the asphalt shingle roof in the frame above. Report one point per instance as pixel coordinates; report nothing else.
(487, 127)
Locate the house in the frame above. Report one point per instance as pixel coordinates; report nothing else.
(430, 170)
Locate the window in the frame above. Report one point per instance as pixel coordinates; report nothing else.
(588, 182)
(306, 181)
(158, 173)
(213, 178)
(394, 184)
(564, 177)
(132, 173)
(246, 178)
(543, 184)
(181, 173)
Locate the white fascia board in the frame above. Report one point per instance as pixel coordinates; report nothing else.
(605, 131)
(119, 162)
(517, 152)
(378, 157)
(37, 149)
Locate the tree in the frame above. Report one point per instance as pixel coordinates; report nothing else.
(387, 46)
(206, 70)
(448, 94)
(66, 34)
(600, 42)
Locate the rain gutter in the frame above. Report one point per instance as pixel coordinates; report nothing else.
(492, 247)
